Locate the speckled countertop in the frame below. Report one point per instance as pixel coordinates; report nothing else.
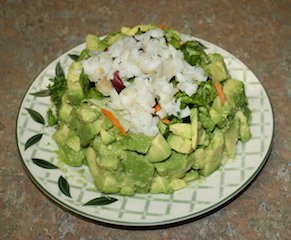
(33, 33)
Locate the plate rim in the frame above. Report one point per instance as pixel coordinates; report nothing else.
(154, 224)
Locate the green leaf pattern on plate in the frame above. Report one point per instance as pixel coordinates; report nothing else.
(99, 201)
(64, 186)
(43, 163)
(32, 140)
(35, 115)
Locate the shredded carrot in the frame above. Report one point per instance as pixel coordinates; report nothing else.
(157, 107)
(113, 119)
(220, 92)
(166, 120)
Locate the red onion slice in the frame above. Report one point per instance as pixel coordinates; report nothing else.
(117, 82)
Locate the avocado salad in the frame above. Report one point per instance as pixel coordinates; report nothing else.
(147, 110)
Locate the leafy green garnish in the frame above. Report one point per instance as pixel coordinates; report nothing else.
(172, 37)
(58, 88)
(194, 53)
(203, 97)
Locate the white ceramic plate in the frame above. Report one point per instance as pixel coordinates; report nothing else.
(198, 199)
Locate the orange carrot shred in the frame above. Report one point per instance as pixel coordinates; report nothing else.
(113, 119)
(166, 120)
(220, 92)
(157, 107)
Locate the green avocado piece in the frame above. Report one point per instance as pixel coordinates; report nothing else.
(139, 171)
(180, 143)
(198, 158)
(109, 156)
(181, 129)
(87, 114)
(159, 150)
(231, 138)
(88, 131)
(194, 127)
(216, 69)
(61, 134)
(73, 142)
(65, 110)
(177, 184)
(93, 43)
(175, 166)
(69, 156)
(213, 153)
(137, 142)
(74, 89)
(235, 92)
(244, 129)
(161, 185)
(132, 31)
(106, 137)
(191, 175)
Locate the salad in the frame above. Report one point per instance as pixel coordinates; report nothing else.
(148, 110)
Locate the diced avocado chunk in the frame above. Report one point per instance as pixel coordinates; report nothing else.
(203, 137)
(88, 131)
(74, 89)
(198, 158)
(177, 184)
(61, 134)
(93, 43)
(106, 137)
(73, 142)
(109, 156)
(180, 143)
(235, 92)
(194, 127)
(231, 138)
(216, 69)
(137, 142)
(139, 171)
(213, 153)
(126, 190)
(175, 166)
(65, 111)
(69, 156)
(159, 150)
(132, 31)
(87, 114)
(160, 185)
(181, 129)
(192, 175)
(244, 129)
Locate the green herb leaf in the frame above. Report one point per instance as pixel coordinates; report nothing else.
(34, 139)
(64, 186)
(59, 71)
(58, 88)
(74, 57)
(41, 93)
(100, 201)
(43, 163)
(35, 115)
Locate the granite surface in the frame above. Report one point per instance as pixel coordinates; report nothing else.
(33, 33)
